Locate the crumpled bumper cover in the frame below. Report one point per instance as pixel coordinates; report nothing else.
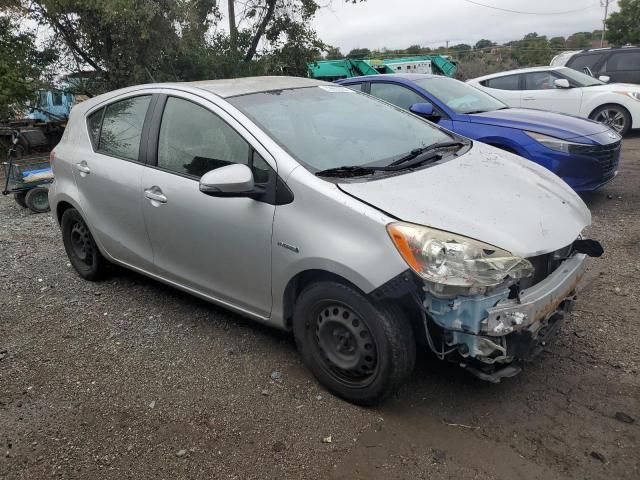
(494, 333)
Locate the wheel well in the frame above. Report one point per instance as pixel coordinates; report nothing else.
(61, 208)
(302, 280)
(611, 105)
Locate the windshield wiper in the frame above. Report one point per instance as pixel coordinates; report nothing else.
(419, 151)
(348, 170)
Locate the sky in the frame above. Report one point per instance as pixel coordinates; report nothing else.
(399, 23)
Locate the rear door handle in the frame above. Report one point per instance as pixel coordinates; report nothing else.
(83, 167)
(528, 98)
(155, 194)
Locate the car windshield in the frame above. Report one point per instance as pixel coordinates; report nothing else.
(331, 126)
(458, 96)
(579, 78)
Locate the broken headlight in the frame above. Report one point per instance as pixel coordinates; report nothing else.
(448, 259)
(552, 142)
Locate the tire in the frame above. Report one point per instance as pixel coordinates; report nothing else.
(360, 351)
(37, 199)
(615, 116)
(19, 197)
(80, 246)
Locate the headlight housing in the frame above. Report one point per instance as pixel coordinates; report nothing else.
(552, 142)
(634, 95)
(447, 259)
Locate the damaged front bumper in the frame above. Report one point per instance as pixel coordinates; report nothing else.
(491, 335)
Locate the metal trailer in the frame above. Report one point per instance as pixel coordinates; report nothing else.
(27, 177)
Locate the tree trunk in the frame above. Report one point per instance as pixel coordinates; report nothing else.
(271, 9)
(233, 30)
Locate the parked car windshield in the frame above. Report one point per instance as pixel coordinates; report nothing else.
(458, 96)
(331, 126)
(579, 78)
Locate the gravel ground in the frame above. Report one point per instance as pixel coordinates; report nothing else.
(128, 378)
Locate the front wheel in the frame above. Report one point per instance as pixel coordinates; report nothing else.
(358, 350)
(614, 116)
(19, 197)
(80, 246)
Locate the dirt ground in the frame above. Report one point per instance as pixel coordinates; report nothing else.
(128, 378)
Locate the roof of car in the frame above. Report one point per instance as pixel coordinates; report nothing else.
(243, 86)
(520, 70)
(392, 76)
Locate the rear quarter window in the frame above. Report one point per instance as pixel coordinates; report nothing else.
(579, 62)
(94, 123)
(508, 82)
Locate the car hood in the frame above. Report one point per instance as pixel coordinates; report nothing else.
(486, 194)
(540, 121)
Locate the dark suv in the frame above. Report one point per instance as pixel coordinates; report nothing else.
(621, 65)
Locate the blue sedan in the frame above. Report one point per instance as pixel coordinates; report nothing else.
(585, 154)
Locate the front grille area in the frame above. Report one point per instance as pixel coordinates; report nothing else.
(608, 156)
(545, 265)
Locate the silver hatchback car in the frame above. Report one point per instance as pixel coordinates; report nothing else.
(364, 229)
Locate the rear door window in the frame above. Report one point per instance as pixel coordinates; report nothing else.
(122, 127)
(508, 82)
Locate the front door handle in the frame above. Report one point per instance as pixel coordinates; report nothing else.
(155, 195)
(83, 167)
(528, 98)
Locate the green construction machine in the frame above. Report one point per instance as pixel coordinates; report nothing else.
(331, 70)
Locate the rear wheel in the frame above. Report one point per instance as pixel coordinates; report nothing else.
(19, 197)
(614, 116)
(37, 199)
(359, 351)
(80, 246)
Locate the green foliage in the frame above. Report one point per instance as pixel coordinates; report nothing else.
(22, 68)
(333, 53)
(137, 41)
(359, 53)
(533, 49)
(624, 26)
(483, 44)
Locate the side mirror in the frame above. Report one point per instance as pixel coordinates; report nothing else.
(604, 78)
(424, 109)
(229, 181)
(562, 83)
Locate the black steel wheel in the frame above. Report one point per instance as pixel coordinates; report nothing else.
(37, 199)
(615, 117)
(344, 345)
(359, 350)
(19, 197)
(80, 246)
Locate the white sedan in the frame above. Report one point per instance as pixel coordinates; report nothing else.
(561, 89)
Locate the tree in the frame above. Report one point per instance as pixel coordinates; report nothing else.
(558, 43)
(333, 53)
(623, 26)
(461, 50)
(483, 44)
(533, 49)
(413, 50)
(579, 40)
(22, 67)
(359, 53)
(137, 41)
